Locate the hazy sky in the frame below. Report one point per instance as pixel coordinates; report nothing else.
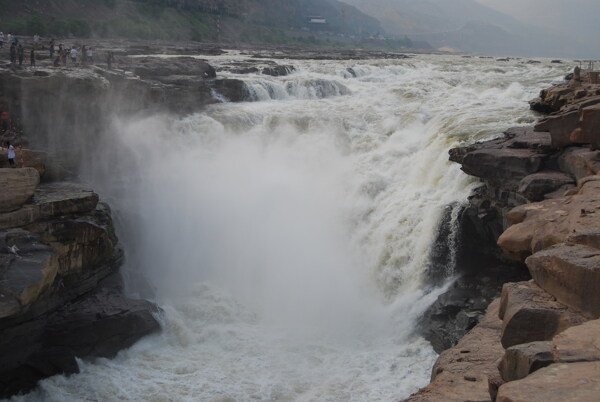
(579, 17)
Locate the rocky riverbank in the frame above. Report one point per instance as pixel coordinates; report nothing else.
(539, 201)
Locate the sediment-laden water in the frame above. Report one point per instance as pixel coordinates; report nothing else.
(287, 238)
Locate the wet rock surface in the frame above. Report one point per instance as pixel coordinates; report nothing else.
(60, 291)
(539, 201)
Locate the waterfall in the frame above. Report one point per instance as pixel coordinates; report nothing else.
(288, 238)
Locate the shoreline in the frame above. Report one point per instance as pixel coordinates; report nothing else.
(541, 185)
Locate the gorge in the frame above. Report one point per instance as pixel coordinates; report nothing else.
(282, 211)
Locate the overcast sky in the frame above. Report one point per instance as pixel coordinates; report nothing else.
(578, 17)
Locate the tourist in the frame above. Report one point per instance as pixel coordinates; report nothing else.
(21, 54)
(1, 40)
(90, 55)
(83, 55)
(36, 40)
(32, 58)
(73, 55)
(9, 38)
(56, 62)
(62, 52)
(13, 53)
(11, 154)
(109, 60)
(51, 48)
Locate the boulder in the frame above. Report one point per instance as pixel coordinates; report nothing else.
(502, 164)
(99, 324)
(571, 273)
(529, 314)
(580, 162)
(51, 200)
(540, 225)
(535, 186)
(576, 382)
(463, 372)
(588, 128)
(17, 187)
(521, 360)
(560, 127)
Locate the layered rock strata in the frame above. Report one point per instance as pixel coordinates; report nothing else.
(60, 291)
(541, 185)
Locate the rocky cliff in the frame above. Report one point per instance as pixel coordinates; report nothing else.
(539, 201)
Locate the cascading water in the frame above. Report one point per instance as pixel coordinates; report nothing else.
(287, 238)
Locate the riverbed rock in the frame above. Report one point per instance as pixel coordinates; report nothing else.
(17, 187)
(535, 186)
(521, 360)
(540, 225)
(574, 382)
(571, 273)
(588, 127)
(560, 127)
(462, 373)
(579, 162)
(530, 314)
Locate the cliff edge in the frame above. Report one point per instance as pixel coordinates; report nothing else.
(540, 340)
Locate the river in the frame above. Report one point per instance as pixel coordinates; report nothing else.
(287, 238)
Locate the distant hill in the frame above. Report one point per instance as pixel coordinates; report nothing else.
(469, 26)
(229, 20)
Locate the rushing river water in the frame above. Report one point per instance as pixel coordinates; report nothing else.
(287, 238)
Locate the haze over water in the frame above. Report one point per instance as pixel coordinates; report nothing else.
(287, 238)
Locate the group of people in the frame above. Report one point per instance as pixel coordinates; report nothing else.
(87, 55)
(17, 52)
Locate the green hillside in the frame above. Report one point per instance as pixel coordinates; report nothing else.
(271, 21)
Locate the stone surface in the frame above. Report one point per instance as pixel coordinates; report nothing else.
(51, 200)
(579, 162)
(17, 187)
(462, 373)
(521, 360)
(99, 324)
(588, 128)
(560, 127)
(530, 314)
(577, 382)
(535, 186)
(540, 225)
(571, 273)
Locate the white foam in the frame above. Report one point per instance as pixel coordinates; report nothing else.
(287, 241)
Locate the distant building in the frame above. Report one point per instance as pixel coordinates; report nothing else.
(317, 20)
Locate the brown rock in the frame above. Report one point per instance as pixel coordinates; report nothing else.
(50, 200)
(521, 360)
(535, 186)
(588, 128)
(571, 273)
(580, 162)
(540, 225)
(463, 373)
(576, 382)
(560, 126)
(529, 314)
(17, 187)
(578, 344)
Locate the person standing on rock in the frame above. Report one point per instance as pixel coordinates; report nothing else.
(32, 58)
(1, 40)
(51, 48)
(11, 154)
(73, 55)
(83, 55)
(109, 60)
(13, 53)
(90, 55)
(62, 53)
(21, 53)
